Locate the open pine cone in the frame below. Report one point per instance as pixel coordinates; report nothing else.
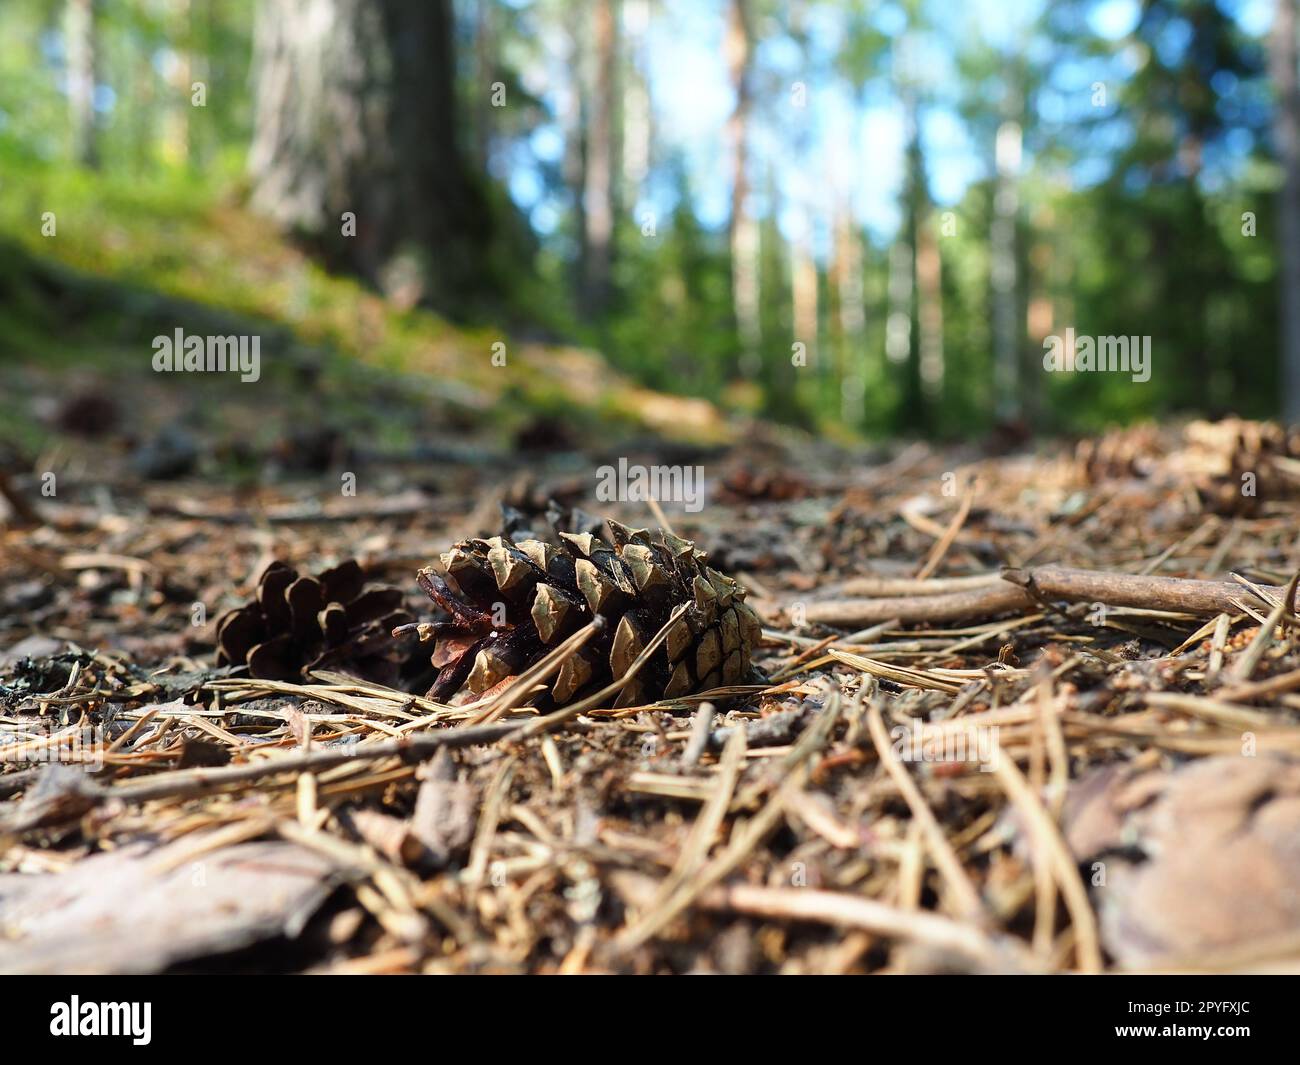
(332, 621)
(511, 603)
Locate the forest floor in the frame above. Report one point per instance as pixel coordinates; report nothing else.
(939, 776)
(949, 769)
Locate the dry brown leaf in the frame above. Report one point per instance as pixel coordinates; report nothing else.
(1205, 858)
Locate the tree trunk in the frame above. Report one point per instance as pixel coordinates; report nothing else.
(776, 372)
(929, 313)
(573, 118)
(803, 287)
(915, 408)
(80, 29)
(636, 100)
(355, 117)
(485, 61)
(1284, 62)
(1002, 240)
(176, 122)
(849, 321)
(852, 371)
(742, 228)
(599, 187)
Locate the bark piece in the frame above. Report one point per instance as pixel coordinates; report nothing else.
(142, 908)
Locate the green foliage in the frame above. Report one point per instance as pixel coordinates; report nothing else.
(671, 324)
(1130, 219)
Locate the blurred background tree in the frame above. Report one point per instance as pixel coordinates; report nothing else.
(355, 143)
(860, 217)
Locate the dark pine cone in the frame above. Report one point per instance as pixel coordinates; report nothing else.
(297, 624)
(511, 603)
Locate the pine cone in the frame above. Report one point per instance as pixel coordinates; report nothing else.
(297, 624)
(1120, 454)
(511, 603)
(1238, 465)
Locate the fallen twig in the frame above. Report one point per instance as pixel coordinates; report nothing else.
(186, 782)
(949, 535)
(1175, 594)
(1022, 589)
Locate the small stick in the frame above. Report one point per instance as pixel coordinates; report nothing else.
(1243, 693)
(1049, 729)
(695, 851)
(965, 898)
(188, 782)
(863, 636)
(808, 652)
(949, 535)
(481, 850)
(881, 586)
(955, 606)
(1220, 711)
(1050, 850)
(1222, 624)
(700, 730)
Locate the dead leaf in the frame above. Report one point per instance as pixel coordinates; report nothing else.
(1211, 858)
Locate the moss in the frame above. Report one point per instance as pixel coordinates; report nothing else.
(133, 259)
